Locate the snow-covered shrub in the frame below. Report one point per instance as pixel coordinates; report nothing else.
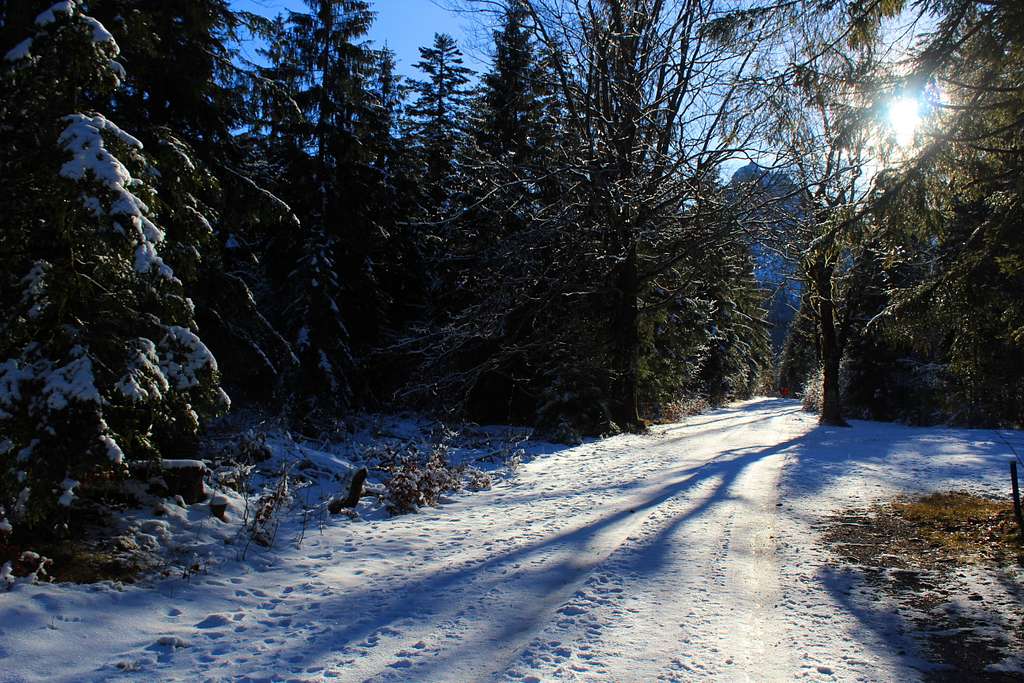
(251, 448)
(30, 566)
(236, 461)
(415, 482)
(564, 431)
(573, 404)
(321, 339)
(236, 477)
(883, 387)
(403, 489)
(99, 360)
(260, 519)
(476, 479)
(812, 391)
(685, 406)
(438, 477)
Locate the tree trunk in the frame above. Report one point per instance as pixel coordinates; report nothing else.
(627, 345)
(831, 404)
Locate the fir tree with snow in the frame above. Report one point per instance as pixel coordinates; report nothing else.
(100, 363)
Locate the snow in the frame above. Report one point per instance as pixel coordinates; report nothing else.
(143, 378)
(19, 51)
(690, 553)
(118, 70)
(90, 159)
(68, 495)
(184, 357)
(34, 294)
(12, 374)
(114, 452)
(97, 31)
(50, 15)
(100, 34)
(72, 383)
(82, 137)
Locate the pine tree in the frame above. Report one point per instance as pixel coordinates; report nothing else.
(953, 208)
(324, 151)
(185, 99)
(101, 362)
(513, 93)
(397, 261)
(492, 341)
(439, 119)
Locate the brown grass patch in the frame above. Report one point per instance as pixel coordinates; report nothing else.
(77, 562)
(918, 551)
(964, 526)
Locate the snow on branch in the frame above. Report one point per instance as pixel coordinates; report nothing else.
(83, 138)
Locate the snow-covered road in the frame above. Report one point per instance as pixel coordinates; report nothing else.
(686, 554)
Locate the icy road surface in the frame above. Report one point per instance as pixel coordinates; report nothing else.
(687, 554)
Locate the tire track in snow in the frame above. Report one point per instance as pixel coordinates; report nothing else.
(717, 569)
(555, 588)
(584, 546)
(518, 597)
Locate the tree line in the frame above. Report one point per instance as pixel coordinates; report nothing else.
(557, 241)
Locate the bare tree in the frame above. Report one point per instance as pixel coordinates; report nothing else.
(820, 140)
(655, 92)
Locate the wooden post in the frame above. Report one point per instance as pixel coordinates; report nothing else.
(1016, 496)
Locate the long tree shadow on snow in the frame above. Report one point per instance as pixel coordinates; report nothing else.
(551, 583)
(909, 459)
(816, 459)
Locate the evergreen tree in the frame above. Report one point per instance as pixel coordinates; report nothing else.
(800, 357)
(334, 152)
(185, 99)
(949, 202)
(511, 121)
(397, 261)
(101, 361)
(439, 119)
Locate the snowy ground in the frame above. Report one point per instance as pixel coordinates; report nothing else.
(690, 553)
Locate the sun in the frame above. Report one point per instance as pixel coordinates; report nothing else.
(904, 117)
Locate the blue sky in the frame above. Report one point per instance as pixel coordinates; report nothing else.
(404, 25)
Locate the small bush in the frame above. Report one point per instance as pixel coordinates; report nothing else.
(416, 482)
(476, 480)
(813, 391)
(261, 519)
(684, 407)
(252, 448)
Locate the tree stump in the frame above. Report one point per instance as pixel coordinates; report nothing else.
(355, 492)
(185, 478)
(219, 507)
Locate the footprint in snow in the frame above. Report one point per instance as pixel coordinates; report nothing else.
(214, 621)
(172, 642)
(167, 645)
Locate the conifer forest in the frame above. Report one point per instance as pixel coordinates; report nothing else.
(264, 289)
